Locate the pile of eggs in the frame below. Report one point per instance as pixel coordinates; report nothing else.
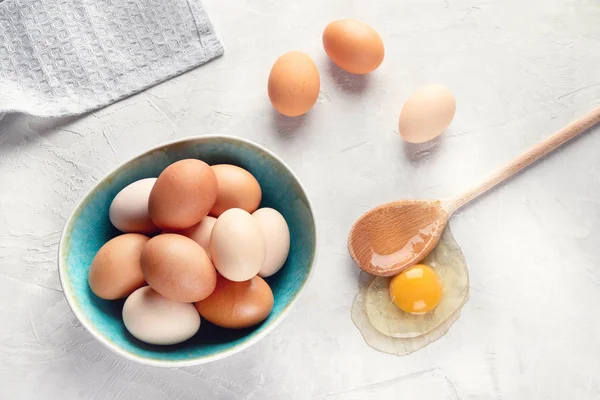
(294, 81)
(194, 244)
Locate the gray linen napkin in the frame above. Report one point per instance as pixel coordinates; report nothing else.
(67, 57)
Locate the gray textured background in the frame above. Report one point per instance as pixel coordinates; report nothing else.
(519, 70)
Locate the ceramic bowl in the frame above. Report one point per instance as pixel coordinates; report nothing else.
(88, 228)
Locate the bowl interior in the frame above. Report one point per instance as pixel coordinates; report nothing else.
(89, 228)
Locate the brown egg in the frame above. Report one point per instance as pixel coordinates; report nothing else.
(237, 304)
(294, 84)
(237, 189)
(183, 194)
(115, 272)
(178, 268)
(353, 46)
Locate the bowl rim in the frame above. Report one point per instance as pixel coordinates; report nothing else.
(82, 318)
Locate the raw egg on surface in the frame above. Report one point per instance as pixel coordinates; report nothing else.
(294, 84)
(387, 328)
(353, 46)
(426, 113)
(183, 194)
(237, 189)
(237, 305)
(416, 290)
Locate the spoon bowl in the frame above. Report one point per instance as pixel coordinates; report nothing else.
(390, 238)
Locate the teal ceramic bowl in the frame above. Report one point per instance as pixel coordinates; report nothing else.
(88, 228)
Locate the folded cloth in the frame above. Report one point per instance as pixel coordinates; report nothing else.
(67, 57)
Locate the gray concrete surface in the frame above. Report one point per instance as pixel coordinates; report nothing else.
(519, 70)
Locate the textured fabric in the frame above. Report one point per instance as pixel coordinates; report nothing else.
(66, 57)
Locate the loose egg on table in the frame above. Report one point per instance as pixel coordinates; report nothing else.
(199, 264)
(402, 314)
(294, 84)
(353, 46)
(426, 113)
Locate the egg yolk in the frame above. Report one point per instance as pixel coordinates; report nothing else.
(417, 290)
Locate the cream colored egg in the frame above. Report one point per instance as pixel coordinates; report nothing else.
(426, 113)
(178, 268)
(154, 319)
(237, 245)
(277, 239)
(129, 209)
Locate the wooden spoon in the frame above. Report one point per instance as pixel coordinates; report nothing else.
(390, 238)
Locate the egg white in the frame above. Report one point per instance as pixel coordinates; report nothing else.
(387, 328)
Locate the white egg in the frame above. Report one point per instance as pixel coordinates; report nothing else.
(277, 239)
(237, 245)
(129, 209)
(154, 319)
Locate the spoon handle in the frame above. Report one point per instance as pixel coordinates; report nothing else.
(530, 156)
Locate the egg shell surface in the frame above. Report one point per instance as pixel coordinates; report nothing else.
(178, 268)
(154, 319)
(294, 84)
(277, 239)
(353, 46)
(237, 245)
(128, 211)
(115, 271)
(183, 194)
(237, 305)
(426, 113)
(237, 189)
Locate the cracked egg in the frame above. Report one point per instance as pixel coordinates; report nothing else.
(431, 294)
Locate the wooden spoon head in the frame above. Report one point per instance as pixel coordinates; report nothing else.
(392, 237)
